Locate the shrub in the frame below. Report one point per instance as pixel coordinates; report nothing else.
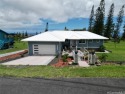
(103, 57)
(102, 48)
(64, 57)
(57, 56)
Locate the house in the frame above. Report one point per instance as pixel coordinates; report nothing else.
(53, 42)
(5, 40)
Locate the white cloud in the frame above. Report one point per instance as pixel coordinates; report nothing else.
(14, 13)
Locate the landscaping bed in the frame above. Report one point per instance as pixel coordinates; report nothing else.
(64, 61)
(13, 56)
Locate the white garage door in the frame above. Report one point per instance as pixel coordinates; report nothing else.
(46, 49)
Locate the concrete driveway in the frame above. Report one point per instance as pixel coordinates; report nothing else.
(31, 60)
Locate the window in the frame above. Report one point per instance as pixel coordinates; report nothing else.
(90, 41)
(66, 40)
(36, 53)
(35, 45)
(82, 41)
(97, 41)
(35, 49)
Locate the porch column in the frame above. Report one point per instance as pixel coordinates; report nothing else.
(87, 43)
(59, 48)
(76, 45)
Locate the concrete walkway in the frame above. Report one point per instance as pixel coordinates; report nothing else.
(81, 62)
(103, 52)
(11, 53)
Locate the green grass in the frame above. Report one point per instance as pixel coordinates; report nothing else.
(17, 46)
(112, 71)
(118, 52)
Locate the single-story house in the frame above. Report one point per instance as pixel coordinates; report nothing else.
(52, 42)
(5, 40)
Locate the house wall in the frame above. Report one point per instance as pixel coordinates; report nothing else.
(58, 46)
(88, 44)
(2, 35)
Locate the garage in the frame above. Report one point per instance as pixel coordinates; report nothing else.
(46, 49)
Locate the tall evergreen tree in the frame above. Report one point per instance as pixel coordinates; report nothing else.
(91, 20)
(22, 35)
(99, 19)
(84, 29)
(109, 27)
(26, 34)
(118, 24)
(123, 35)
(36, 33)
(46, 29)
(65, 28)
(96, 22)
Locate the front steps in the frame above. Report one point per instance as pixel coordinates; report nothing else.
(83, 64)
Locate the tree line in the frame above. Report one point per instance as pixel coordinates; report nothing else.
(110, 29)
(18, 36)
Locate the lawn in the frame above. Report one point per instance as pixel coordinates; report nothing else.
(111, 71)
(19, 45)
(118, 52)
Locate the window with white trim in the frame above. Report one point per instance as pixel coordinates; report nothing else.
(82, 41)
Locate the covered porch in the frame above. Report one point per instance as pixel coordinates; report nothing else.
(81, 57)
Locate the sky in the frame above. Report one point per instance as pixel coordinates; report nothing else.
(32, 15)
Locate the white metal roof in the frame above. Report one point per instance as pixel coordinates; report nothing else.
(61, 36)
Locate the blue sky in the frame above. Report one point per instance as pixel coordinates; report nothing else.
(75, 23)
(32, 15)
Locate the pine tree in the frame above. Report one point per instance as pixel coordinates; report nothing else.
(46, 29)
(26, 34)
(109, 27)
(91, 20)
(123, 35)
(19, 36)
(65, 28)
(102, 16)
(118, 25)
(96, 22)
(16, 36)
(22, 35)
(99, 19)
(36, 33)
(84, 29)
